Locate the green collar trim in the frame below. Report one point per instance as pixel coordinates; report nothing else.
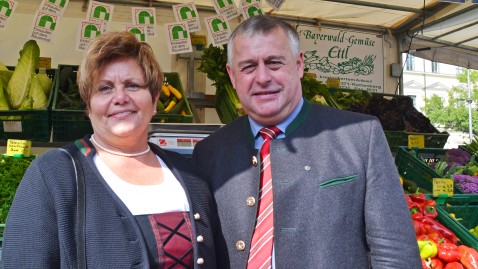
(300, 119)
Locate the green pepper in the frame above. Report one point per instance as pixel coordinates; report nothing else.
(428, 249)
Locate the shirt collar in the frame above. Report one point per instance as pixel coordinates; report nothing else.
(256, 127)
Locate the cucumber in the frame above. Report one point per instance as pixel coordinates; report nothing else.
(177, 108)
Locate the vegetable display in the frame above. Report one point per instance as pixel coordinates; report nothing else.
(23, 88)
(11, 173)
(439, 247)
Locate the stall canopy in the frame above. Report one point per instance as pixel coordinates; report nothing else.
(440, 31)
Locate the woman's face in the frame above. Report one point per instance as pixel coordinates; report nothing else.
(120, 104)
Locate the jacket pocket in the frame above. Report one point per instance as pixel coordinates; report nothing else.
(337, 181)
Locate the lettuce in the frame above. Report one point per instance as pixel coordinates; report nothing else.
(37, 93)
(19, 85)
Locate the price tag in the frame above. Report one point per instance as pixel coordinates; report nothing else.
(416, 141)
(442, 186)
(333, 83)
(20, 147)
(44, 62)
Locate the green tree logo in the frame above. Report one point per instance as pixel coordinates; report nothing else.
(179, 32)
(138, 33)
(218, 25)
(144, 17)
(91, 31)
(100, 12)
(60, 3)
(222, 4)
(47, 22)
(5, 8)
(254, 11)
(187, 13)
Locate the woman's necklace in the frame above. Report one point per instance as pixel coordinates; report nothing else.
(92, 139)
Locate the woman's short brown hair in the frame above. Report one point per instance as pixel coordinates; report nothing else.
(113, 45)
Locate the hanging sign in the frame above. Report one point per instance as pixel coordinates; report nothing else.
(145, 17)
(226, 8)
(87, 31)
(44, 26)
(56, 7)
(218, 29)
(247, 2)
(100, 12)
(356, 58)
(188, 13)
(6, 11)
(251, 10)
(178, 38)
(275, 4)
(139, 31)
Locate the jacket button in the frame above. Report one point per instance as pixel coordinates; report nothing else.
(200, 261)
(197, 216)
(240, 245)
(251, 201)
(200, 238)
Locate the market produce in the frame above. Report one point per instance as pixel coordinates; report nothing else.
(439, 247)
(23, 88)
(11, 173)
(396, 113)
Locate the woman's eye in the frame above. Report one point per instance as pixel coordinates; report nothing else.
(105, 88)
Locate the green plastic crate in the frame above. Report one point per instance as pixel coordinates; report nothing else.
(32, 124)
(414, 169)
(2, 228)
(465, 208)
(71, 124)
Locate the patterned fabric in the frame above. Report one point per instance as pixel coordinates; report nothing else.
(173, 233)
(260, 255)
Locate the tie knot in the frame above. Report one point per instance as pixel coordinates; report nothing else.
(269, 133)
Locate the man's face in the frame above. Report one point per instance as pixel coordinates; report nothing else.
(266, 76)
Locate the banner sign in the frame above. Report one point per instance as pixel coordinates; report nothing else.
(218, 29)
(187, 13)
(227, 8)
(178, 38)
(7, 8)
(251, 10)
(101, 12)
(145, 17)
(44, 26)
(275, 4)
(356, 58)
(139, 31)
(88, 30)
(56, 7)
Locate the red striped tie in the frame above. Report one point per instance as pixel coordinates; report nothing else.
(260, 255)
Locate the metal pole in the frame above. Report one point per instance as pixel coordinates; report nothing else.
(470, 122)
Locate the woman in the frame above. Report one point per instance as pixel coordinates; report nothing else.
(125, 203)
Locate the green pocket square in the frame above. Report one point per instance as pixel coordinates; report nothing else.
(337, 181)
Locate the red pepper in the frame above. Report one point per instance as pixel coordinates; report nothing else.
(419, 228)
(414, 207)
(418, 197)
(436, 264)
(448, 252)
(469, 257)
(437, 237)
(430, 211)
(424, 264)
(454, 265)
(436, 226)
(407, 198)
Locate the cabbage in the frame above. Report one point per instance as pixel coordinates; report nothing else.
(37, 94)
(3, 100)
(19, 85)
(3, 67)
(45, 83)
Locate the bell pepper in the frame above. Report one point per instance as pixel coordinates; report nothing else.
(428, 249)
(430, 211)
(448, 252)
(419, 228)
(436, 264)
(454, 265)
(436, 226)
(414, 207)
(468, 257)
(424, 264)
(418, 196)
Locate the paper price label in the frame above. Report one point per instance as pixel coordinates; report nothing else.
(20, 147)
(442, 186)
(416, 141)
(333, 83)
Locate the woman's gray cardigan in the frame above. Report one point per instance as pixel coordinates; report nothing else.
(40, 230)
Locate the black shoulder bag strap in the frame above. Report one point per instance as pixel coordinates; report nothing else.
(80, 206)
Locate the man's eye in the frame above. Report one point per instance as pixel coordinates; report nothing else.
(275, 65)
(248, 68)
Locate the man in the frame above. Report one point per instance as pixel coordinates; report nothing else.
(337, 200)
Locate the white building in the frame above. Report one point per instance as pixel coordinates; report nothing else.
(424, 78)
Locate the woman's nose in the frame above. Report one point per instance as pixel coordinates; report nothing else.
(120, 95)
